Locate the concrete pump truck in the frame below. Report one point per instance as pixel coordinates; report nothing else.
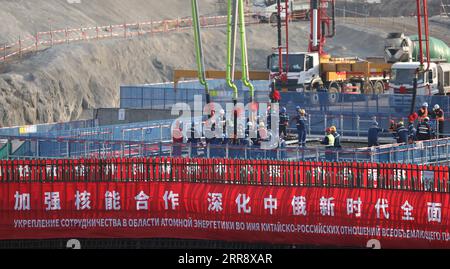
(304, 71)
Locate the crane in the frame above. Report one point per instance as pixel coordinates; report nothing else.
(323, 24)
(282, 74)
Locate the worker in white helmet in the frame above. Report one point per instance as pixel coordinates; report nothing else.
(301, 123)
(437, 115)
(423, 112)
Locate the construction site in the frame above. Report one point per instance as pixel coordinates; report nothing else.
(225, 124)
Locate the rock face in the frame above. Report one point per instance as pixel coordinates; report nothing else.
(64, 82)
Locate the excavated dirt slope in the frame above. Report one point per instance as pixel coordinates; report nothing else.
(64, 82)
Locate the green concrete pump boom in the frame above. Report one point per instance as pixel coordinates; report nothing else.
(231, 46)
(244, 55)
(199, 50)
(235, 15)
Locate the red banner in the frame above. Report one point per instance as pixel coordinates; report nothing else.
(269, 214)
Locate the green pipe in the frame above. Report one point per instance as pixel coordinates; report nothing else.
(230, 82)
(244, 58)
(199, 48)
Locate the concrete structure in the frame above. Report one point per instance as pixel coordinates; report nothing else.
(111, 116)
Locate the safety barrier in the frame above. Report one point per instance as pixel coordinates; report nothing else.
(274, 202)
(157, 130)
(352, 114)
(424, 152)
(51, 38)
(164, 96)
(389, 176)
(47, 127)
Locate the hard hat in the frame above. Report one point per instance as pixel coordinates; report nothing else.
(426, 119)
(333, 128)
(302, 112)
(222, 112)
(400, 123)
(436, 107)
(425, 104)
(283, 110)
(261, 124)
(297, 107)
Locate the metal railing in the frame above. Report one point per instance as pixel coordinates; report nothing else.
(47, 127)
(226, 171)
(42, 40)
(422, 152)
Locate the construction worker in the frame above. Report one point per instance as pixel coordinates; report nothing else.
(373, 133)
(401, 133)
(282, 147)
(177, 139)
(301, 124)
(275, 96)
(246, 143)
(284, 121)
(412, 132)
(423, 112)
(323, 97)
(424, 130)
(438, 115)
(193, 139)
(337, 137)
(222, 120)
(263, 135)
(328, 141)
(392, 126)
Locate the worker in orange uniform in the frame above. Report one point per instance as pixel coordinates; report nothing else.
(438, 115)
(423, 112)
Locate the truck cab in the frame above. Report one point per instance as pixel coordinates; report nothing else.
(401, 84)
(267, 10)
(303, 70)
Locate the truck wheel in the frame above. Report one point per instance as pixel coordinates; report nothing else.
(379, 87)
(368, 87)
(333, 94)
(314, 98)
(273, 18)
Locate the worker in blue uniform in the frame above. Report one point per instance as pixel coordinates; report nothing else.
(374, 131)
(301, 124)
(401, 133)
(284, 121)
